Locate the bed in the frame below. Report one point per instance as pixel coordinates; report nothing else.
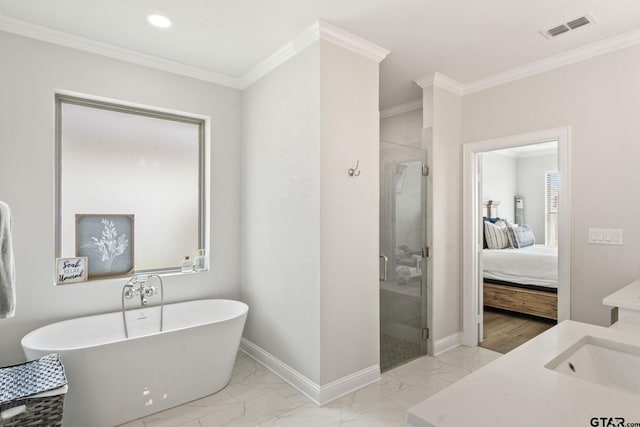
(524, 280)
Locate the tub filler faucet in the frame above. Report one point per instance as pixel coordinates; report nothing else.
(138, 286)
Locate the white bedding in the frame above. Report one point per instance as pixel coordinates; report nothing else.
(533, 265)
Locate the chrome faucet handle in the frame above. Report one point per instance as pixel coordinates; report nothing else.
(129, 292)
(149, 291)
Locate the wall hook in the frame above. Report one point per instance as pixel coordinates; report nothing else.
(355, 171)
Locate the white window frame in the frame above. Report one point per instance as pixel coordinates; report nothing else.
(551, 235)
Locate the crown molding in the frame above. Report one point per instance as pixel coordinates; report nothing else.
(48, 35)
(592, 50)
(319, 30)
(352, 42)
(280, 56)
(401, 108)
(441, 81)
(576, 55)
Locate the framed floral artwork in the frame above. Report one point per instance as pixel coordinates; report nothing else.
(107, 242)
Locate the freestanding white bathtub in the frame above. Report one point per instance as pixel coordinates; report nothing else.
(113, 379)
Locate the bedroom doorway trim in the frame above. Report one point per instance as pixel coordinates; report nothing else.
(472, 309)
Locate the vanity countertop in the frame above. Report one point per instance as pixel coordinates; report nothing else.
(517, 389)
(627, 297)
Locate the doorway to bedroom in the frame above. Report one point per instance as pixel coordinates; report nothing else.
(519, 193)
(515, 237)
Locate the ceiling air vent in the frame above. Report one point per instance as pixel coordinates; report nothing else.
(556, 31)
(571, 25)
(583, 20)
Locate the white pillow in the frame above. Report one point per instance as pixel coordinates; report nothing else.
(496, 235)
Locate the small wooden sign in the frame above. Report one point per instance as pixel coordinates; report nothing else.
(71, 270)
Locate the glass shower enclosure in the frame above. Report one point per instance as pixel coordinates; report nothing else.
(403, 314)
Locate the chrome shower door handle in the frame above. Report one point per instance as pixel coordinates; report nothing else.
(384, 268)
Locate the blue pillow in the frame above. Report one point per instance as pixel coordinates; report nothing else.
(521, 236)
(484, 238)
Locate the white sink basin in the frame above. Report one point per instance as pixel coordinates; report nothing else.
(608, 363)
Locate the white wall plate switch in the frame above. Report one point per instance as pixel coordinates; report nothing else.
(605, 236)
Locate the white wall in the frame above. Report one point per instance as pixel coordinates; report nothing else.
(349, 209)
(531, 186)
(310, 231)
(499, 182)
(446, 258)
(600, 99)
(30, 74)
(281, 212)
(505, 176)
(403, 129)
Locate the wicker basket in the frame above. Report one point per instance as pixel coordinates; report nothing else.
(32, 393)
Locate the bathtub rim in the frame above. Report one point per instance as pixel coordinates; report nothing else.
(244, 309)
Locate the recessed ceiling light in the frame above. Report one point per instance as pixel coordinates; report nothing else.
(159, 21)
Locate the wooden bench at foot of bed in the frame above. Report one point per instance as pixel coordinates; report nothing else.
(521, 300)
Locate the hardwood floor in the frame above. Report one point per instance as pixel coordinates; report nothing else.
(504, 330)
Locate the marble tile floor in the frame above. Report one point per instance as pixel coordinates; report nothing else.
(257, 397)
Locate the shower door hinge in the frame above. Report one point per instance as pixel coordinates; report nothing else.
(425, 252)
(425, 334)
(425, 170)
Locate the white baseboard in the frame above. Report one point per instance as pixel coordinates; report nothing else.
(348, 384)
(447, 343)
(298, 381)
(320, 395)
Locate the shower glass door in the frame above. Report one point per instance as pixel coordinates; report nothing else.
(402, 250)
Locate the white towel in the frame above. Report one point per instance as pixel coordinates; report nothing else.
(7, 266)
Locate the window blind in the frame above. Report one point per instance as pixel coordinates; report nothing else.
(551, 208)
